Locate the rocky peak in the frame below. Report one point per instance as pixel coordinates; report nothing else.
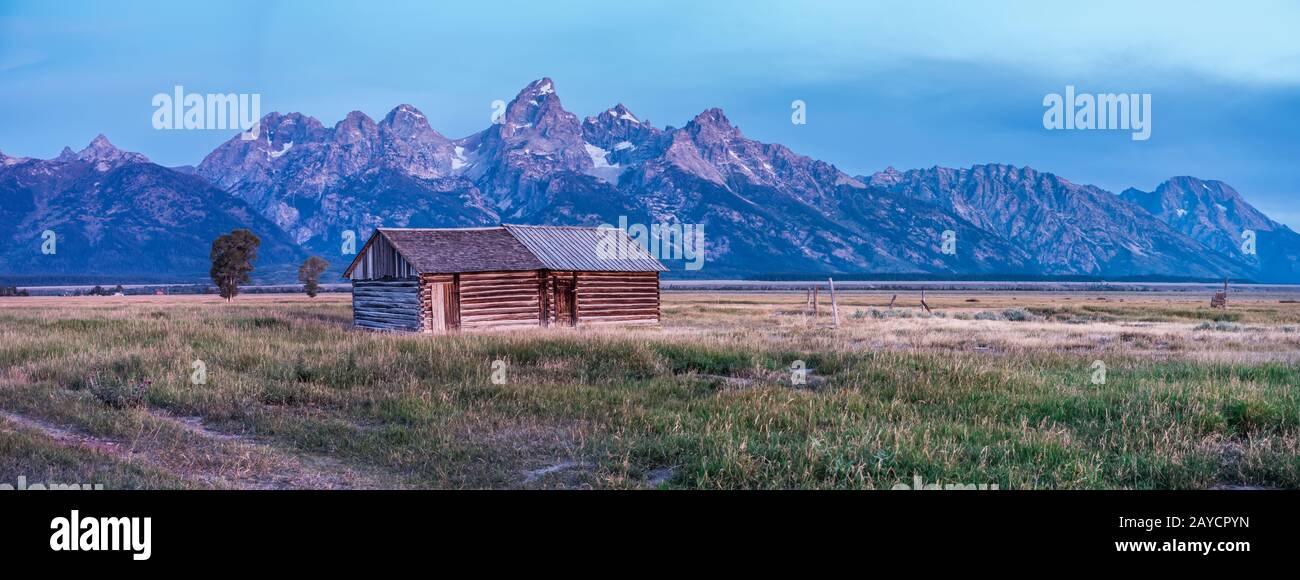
(536, 136)
(104, 155)
(682, 153)
(537, 110)
(356, 127)
(6, 160)
(542, 90)
(712, 126)
(887, 178)
(99, 146)
(540, 87)
(990, 179)
(1213, 213)
(1212, 191)
(771, 208)
(291, 127)
(407, 122)
(410, 145)
(618, 114)
(617, 129)
(1008, 173)
(1198, 205)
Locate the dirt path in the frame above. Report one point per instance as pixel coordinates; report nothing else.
(64, 437)
(186, 448)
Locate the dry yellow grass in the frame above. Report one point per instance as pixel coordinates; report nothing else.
(992, 388)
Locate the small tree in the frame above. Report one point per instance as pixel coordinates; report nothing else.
(233, 255)
(309, 274)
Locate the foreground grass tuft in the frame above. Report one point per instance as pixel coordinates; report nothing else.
(985, 392)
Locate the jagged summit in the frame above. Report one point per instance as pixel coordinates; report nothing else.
(712, 116)
(101, 153)
(766, 208)
(617, 113)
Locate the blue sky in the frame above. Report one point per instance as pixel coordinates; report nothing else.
(907, 84)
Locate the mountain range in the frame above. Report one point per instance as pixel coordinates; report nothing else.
(764, 209)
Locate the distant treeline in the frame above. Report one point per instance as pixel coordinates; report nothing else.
(101, 291)
(87, 280)
(172, 289)
(893, 277)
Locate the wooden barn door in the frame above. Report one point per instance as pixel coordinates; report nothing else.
(566, 311)
(437, 313)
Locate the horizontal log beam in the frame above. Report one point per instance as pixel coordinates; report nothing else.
(498, 299)
(606, 273)
(365, 302)
(373, 315)
(494, 285)
(402, 322)
(509, 307)
(378, 328)
(500, 295)
(611, 274)
(647, 290)
(387, 320)
(388, 289)
(408, 297)
(498, 317)
(386, 306)
(618, 287)
(372, 284)
(381, 296)
(511, 276)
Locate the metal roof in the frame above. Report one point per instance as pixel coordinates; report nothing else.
(585, 249)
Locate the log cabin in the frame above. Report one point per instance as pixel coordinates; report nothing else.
(438, 280)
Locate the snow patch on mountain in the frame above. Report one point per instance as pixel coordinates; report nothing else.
(458, 159)
(601, 168)
(284, 149)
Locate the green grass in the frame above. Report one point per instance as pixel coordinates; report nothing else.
(36, 459)
(625, 405)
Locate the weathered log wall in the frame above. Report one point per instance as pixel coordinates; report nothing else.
(499, 299)
(389, 304)
(447, 315)
(379, 260)
(618, 298)
(503, 299)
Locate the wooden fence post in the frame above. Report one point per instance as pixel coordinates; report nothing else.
(835, 307)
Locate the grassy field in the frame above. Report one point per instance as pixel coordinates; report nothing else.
(998, 389)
